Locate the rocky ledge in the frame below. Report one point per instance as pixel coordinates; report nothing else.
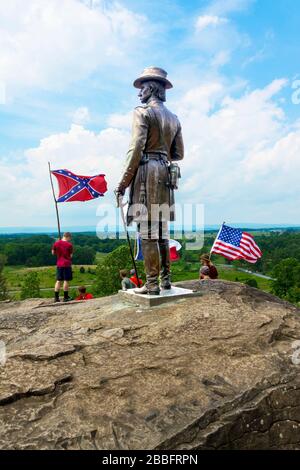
(213, 372)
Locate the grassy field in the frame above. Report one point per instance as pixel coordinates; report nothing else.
(15, 276)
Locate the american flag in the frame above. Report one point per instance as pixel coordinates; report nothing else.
(233, 243)
(79, 188)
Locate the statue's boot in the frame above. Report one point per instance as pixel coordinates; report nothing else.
(165, 275)
(151, 260)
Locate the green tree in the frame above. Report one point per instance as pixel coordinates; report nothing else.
(294, 295)
(286, 284)
(84, 255)
(3, 285)
(31, 286)
(107, 273)
(32, 261)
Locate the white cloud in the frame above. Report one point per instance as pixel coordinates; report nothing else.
(241, 154)
(50, 44)
(241, 151)
(242, 160)
(258, 56)
(220, 58)
(204, 21)
(225, 7)
(2, 93)
(81, 115)
(215, 35)
(120, 121)
(80, 150)
(261, 53)
(218, 40)
(280, 159)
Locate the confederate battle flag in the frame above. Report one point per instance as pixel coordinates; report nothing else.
(79, 188)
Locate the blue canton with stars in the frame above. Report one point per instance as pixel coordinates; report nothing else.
(230, 235)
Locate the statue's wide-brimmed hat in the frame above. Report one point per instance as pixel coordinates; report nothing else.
(153, 73)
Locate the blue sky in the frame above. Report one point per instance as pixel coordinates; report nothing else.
(66, 95)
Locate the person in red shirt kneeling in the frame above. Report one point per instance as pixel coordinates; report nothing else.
(133, 279)
(83, 294)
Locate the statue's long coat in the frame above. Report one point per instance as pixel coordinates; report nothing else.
(152, 133)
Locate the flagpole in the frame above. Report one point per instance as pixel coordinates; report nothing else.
(216, 239)
(55, 202)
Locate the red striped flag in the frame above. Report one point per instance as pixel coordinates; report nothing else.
(174, 247)
(233, 243)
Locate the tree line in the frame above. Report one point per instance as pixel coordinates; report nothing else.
(35, 250)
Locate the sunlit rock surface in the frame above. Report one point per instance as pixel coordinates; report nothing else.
(210, 372)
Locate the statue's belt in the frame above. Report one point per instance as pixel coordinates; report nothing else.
(159, 157)
(153, 156)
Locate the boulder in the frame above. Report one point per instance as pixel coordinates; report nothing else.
(218, 371)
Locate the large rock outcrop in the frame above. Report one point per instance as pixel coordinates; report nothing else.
(212, 372)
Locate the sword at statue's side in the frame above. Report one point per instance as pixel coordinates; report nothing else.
(121, 205)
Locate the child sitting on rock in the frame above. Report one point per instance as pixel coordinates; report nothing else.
(126, 283)
(206, 263)
(204, 273)
(83, 294)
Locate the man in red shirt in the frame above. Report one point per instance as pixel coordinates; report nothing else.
(63, 250)
(83, 294)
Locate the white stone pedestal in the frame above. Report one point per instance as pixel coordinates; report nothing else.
(175, 293)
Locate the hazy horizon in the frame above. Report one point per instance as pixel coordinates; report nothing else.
(88, 228)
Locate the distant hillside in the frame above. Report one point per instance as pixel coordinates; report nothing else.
(92, 229)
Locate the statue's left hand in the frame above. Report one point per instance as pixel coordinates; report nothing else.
(120, 190)
(119, 193)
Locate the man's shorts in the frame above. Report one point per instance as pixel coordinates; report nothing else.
(64, 274)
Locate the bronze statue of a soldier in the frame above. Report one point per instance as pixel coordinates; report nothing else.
(152, 176)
